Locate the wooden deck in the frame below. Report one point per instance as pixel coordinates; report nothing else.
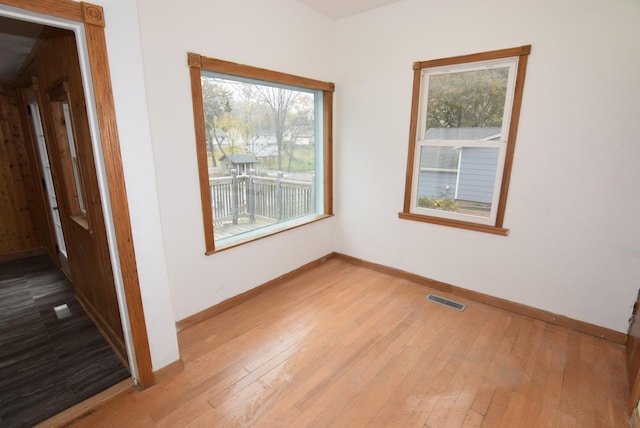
(225, 230)
(343, 346)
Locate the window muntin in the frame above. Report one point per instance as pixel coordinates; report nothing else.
(264, 149)
(463, 132)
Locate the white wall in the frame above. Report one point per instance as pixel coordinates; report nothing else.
(574, 242)
(124, 50)
(280, 35)
(574, 246)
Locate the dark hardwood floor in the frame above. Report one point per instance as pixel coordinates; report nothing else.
(48, 361)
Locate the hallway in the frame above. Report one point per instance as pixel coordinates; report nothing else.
(49, 360)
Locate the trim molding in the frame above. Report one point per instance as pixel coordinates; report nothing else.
(90, 405)
(92, 18)
(240, 298)
(528, 311)
(107, 332)
(9, 257)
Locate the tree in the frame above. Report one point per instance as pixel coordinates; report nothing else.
(279, 102)
(216, 102)
(234, 128)
(299, 126)
(467, 99)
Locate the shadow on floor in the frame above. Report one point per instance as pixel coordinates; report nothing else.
(48, 362)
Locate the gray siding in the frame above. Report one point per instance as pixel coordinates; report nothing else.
(475, 184)
(477, 174)
(434, 184)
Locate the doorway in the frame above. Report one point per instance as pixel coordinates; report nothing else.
(86, 22)
(60, 249)
(53, 355)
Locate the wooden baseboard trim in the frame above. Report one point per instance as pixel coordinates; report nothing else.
(9, 257)
(240, 298)
(531, 312)
(539, 314)
(66, 417)
(168, 371)
(110, 336)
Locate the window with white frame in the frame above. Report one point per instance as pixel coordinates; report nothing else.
(464, 120)
(263, 140)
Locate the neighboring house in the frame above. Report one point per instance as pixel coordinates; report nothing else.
(461, 173)
(264, 148)
(242, 163)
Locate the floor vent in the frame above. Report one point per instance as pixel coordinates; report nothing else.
(62, 311)
(446, 302)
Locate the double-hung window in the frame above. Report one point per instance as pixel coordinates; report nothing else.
(263, 140)
(464, 120)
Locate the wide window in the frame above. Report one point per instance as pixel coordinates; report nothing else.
(264, 150)
(464, 120)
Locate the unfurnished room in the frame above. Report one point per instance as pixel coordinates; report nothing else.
(293, 213)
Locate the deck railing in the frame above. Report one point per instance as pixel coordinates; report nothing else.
(269, 198)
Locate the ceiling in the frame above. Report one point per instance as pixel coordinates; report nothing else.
(337, 9)
(16, 41)
(18, 37)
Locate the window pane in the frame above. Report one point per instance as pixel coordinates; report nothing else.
(469, 99)
(261, 153)
(457, 179)
(438, 157)
(74, 156)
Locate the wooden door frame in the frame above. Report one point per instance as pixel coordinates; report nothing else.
(92, 18)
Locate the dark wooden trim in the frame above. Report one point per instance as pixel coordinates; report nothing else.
(111, 336)
(195, 64)
(455, 223)
(497, 228)
(92, 14)
(247, 295)
(93, 18)
(413, 134)
(539, 314)
(482, 56)
(232, 68)
(66, 9)
(9, 257)
(528, 311)
(513, 133)
(169, 371)
(97, 49)
(328, 152)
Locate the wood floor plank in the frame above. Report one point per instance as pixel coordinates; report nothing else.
(344, 346)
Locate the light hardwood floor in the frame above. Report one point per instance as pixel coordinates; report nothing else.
(345, 346)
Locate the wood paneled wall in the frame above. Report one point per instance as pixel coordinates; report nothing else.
(91, 273)
(20, 231)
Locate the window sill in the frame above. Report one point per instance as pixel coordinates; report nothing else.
(232, 244)
(81, 220)
(455, 223)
